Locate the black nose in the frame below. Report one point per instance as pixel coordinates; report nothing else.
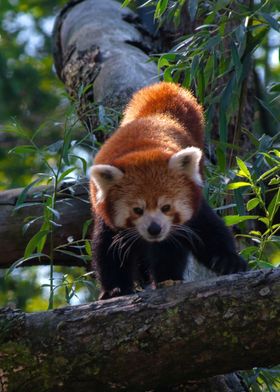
(154, 229)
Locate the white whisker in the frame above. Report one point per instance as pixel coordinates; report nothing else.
(185, 232)
(175, 241)
(123, 242)
(133, 241)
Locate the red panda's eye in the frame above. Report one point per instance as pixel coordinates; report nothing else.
(138, 210)
(166, 208)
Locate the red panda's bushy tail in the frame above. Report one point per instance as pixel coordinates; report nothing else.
(168, 99)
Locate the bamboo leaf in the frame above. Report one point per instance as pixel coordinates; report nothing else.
(274, 205)
(274, 88)
(55, 212)
(25, 191)
(160, 8)
(212, 42)
(35, 242)
(86, 225)
(163, 62)
(221, 157)
(235, 219)
(29, 204)
(264, 220)
(88, 248)
(227, 94)
(253, 203)
(274, 181)
(65, 173)
(20, 261)
(194, 66)
(125, 3)
(26, 226)
(244, 171)
(273, 23)
(27, 149)
(268, 173)
(239, 201)
(84, 162)
(236, 185)
(267, 108)
(192, 9)
(235, 55)
(167, 75)
(72, 254)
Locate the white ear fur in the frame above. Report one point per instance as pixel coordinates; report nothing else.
(187, 161)
(104, 176)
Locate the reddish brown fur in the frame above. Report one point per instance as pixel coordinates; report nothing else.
(159, 121)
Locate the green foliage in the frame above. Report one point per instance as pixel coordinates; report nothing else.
(62, 162)
(261, 193)
(28, 288)
(262, 380)
(18, 290)
(27, 82)
(29, 89)
(218, 54)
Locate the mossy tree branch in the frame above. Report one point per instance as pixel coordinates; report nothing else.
(149, 340)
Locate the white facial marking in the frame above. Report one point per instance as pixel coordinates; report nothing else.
(121, 213)
(187, 161)
(186, 212)
(104, 176)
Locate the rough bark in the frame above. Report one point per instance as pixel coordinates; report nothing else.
(73, 206)
(148, 340)
(111, 61)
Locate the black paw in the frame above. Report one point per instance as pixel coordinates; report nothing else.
(228, 263)
(116, 292)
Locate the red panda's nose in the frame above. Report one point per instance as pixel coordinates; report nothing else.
(154, 229)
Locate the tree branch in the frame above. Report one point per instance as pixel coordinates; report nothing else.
(100, 52)
(73, 207)
(150, 340)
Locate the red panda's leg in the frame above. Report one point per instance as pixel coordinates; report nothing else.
(115, 275)
(212, 243)
(169, 262)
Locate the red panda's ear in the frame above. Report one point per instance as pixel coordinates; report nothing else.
(187, 161)
(104, 176)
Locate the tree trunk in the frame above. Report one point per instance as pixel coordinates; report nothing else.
(100, 52)
(151, 340)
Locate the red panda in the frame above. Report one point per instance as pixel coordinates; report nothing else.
(146, 194)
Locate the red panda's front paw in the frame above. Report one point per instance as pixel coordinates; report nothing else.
(168, 283)
(116, 292)
(228, 263)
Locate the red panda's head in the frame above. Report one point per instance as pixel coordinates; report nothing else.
(152, 194)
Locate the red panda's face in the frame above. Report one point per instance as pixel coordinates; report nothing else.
(155, 216)
(152, 198)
